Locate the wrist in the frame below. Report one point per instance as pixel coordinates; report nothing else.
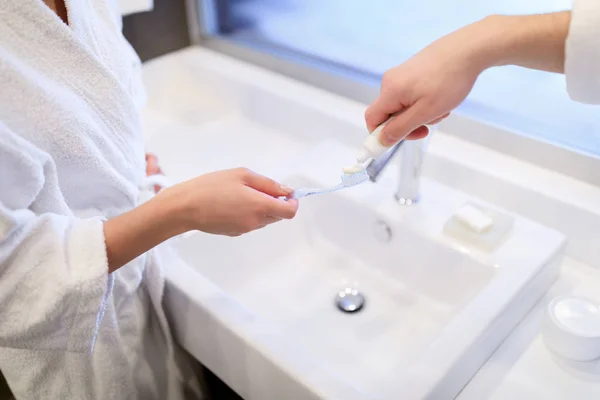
(488, 41)
(475, 47)
(139, 230)
(530, 41)
(169, 211)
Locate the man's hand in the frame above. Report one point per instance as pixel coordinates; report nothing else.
(426, 88)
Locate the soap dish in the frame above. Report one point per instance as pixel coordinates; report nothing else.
(572, 328)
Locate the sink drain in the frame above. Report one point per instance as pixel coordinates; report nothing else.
(349, 300)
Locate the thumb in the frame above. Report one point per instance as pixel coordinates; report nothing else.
(266, 185)
(403, 124)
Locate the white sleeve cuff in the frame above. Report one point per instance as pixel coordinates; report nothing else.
(91, 282)
(582, 58)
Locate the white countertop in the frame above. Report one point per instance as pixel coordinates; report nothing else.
(188, 135)
(523, 368)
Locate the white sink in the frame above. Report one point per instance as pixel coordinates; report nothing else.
(435, 309)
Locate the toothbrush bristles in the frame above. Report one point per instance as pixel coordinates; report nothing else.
(354, 179)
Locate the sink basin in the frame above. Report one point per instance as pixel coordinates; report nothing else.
(435, 309)
(289, 274)
(259, 310)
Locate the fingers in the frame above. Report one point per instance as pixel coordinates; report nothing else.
(270, 220)
(264, 184)
(411, 119)
(422, 131)
(152, 167)
(380, 110)
(406, 121)
(283, 209)
(419, 133)
(286, 213)
(438, 120)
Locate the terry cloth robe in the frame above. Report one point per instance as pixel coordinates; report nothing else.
(72, 156)
(582, 61)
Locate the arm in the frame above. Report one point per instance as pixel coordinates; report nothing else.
(55, 268)
(432, 83)
(230, 202)
(531, 41)
(135, 232)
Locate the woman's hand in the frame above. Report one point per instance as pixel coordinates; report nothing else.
(230, 202)
(152, 168)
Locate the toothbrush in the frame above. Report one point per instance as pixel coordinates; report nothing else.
(355, 174)
(347, 180)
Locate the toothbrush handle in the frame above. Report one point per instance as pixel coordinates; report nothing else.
(304, 192)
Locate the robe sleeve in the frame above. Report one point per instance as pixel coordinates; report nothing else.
(54, 281)
(582, 57)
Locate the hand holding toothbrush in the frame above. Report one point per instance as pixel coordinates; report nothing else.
(230, 202)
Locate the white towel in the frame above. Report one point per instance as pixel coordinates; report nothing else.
(71, 155)
(582, 63)
(135, 6)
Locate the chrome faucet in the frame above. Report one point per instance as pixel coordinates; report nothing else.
(410, 163)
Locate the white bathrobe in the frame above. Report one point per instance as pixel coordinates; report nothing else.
(71, 155)
(582, 63)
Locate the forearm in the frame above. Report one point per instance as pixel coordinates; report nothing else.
(139, 230)
(531, 41)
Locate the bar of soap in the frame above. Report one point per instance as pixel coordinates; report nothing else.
(473, 218)
(479, 226)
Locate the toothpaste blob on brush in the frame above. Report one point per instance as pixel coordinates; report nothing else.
(353, 169)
